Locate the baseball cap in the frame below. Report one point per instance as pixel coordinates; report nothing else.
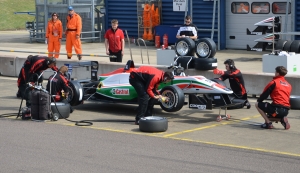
(70, 8)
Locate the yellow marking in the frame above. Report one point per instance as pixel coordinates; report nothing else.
(210, 126)
(236, 146)
(92, 55)
(191, 140)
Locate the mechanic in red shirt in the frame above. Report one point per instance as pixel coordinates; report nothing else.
(279, 90)
(114, 42)
(145, 81)
(236, 80)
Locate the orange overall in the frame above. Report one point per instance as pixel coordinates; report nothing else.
(73, 29)
(54, 35)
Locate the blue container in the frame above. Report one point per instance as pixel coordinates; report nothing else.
(171, 31)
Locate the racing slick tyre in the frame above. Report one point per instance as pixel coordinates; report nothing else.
(75, 93)
(206, 63)
(280, 44)
(206, 48)
(295, 102)
(287, 46)
(153, 124)
(295, 46)
(175, 98)
(185, 47)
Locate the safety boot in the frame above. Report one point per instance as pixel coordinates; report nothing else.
(79, 57)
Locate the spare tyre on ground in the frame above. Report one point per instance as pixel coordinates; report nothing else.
(153, 124)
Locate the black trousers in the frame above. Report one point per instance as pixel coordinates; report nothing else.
(240, 96)
(146, 103)
(117, 54)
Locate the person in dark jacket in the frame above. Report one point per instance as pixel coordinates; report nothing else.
(145, 81)
(31, 71)
(59, 84)
(236, 80)
(188, 29)
(279, 90)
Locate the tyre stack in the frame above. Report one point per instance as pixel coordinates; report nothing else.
(288, 45)
(204, 48)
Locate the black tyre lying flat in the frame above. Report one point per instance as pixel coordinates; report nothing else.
(295, 102)
(176, 98)
(206, 63)
(75, 93)
(206, 48)
(153, 124)
(185, 47)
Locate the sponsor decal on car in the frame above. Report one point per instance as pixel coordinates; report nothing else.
(201, 107)
(120, 91)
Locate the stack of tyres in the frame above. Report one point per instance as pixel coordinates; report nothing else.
(40, 105)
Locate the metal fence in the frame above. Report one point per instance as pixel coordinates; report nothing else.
(89, 11)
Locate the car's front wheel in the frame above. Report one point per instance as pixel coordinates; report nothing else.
(175, 101)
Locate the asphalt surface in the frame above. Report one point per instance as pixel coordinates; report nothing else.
(194, 141)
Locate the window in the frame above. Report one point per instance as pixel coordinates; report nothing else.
(260, 8)
(240, 7)
(280, 8)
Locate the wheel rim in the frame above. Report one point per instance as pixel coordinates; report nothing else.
(71, 94)
(182, 48)
(171, 102)
(202, 49)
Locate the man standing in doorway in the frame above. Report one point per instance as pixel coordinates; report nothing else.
(114, 42)
(73, 31)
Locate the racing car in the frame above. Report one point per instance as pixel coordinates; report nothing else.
(114, 87)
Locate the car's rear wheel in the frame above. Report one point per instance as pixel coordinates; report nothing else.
(176, 98)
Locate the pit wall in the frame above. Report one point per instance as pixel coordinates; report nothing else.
(255, 83)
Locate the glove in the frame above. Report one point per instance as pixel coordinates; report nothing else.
(217, 71)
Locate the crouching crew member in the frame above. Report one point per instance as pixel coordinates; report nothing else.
(236, 80)
(31, 70)
(59, 85)
(145, 81)
(279, 90)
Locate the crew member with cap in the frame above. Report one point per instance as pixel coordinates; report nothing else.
(53, 35)
(73, 31)
(145, 81)
(236, 80)
(31, 70)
